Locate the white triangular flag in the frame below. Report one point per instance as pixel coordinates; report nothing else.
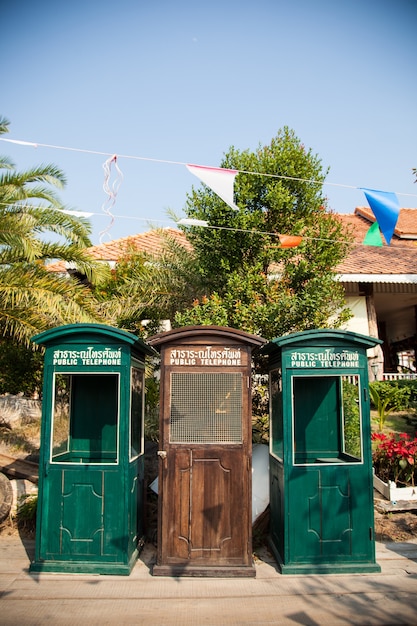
(76, 213)
(219, 179)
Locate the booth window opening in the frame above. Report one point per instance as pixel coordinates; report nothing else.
(276, 425)
(85, 417)
(327, 417)
(206, 407)
(137, 411)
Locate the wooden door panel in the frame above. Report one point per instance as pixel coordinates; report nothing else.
(210, 510)
(204, 523)
(205, 496)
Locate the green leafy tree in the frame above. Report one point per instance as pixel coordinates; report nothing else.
(32, 298)
(252, 282)
(20, 368)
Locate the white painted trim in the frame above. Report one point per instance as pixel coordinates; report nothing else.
(378, 278)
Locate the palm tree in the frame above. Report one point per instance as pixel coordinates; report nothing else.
(151, 286)
(33, 299)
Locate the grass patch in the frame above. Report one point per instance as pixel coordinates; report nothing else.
(399, 422)
(23, 438)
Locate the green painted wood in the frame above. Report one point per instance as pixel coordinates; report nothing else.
(321, 494)
(91, 477)
(94, 413)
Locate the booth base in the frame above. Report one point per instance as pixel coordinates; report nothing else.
(84, 567)
(65, 567)
(232, 571)
(342, 567)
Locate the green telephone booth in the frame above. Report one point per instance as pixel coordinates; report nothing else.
(91, 469)
(321, 492)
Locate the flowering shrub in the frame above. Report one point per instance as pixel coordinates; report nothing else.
(395, 458)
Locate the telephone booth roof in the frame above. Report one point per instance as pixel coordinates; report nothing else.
(327, 336)
(61, 334)
(190, 332)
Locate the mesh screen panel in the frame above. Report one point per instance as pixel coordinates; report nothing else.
(206, 407)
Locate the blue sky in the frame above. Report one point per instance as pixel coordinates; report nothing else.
(182, 81)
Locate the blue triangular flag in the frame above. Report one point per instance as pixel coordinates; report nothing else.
(386, 209)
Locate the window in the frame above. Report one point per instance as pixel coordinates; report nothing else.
(276, 437)
(326, 419)
(85, 418)
(206, 407)
(136, 412)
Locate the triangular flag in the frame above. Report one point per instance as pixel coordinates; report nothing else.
(76, 213)
(386, 209)
(219, 179)
(373, 236)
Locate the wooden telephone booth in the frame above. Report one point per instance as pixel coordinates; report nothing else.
(321, 488)
(91, 469)
(204, 526)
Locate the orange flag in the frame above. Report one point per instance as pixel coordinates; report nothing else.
(289, 241)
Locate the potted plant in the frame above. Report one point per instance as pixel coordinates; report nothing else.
(394, 461)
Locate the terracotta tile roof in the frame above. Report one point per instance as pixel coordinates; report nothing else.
(385, 260)
(406, 225)
(151, 242)
(400, 257)
(405, 233)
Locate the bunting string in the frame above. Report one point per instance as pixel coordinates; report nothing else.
(286, 239)
(183, 163)
(384, 205)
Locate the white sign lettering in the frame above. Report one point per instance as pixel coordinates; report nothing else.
(206, 356)
(327, 359)
(88, 356)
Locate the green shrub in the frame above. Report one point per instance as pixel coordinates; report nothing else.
(151, 421)
(352, 425)
(26, 512)
(260, 410)
(396, 396)
(20, 368)
(411, 386)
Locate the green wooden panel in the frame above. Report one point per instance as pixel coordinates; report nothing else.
(82, 513)
(277, 505)
(90, 488)
(136, 501)
(94, 414)
(330, 517)
(321, 494)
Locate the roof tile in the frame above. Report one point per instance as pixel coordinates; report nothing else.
(400, 257)
(151, 242)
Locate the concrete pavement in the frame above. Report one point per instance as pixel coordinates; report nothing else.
(382, 599)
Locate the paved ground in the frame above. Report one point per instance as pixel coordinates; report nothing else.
(387, 598)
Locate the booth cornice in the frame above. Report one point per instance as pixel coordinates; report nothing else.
(186, 332)
(76, 331)
(329, 335)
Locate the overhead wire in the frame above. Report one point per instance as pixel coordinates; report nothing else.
(112, 191)
(153, 222)
(183, 163)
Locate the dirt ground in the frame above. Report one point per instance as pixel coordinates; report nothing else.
(398, 527)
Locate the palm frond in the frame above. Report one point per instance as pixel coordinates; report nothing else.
(32, 300)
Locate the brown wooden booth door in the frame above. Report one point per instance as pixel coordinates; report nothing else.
(205, 488)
